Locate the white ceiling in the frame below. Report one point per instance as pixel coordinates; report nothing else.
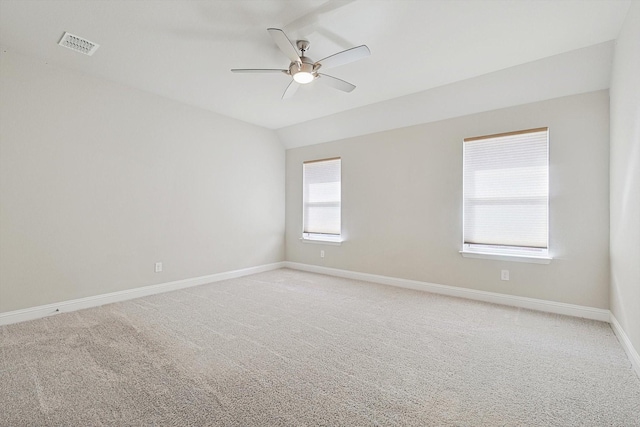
(183, 50)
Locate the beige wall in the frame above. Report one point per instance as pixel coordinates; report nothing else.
(625, 178)
(402, 203)
(99, 181)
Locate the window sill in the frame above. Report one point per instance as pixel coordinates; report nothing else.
(321, 242)
(507, 257)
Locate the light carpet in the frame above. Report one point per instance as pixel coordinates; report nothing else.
(293, 348)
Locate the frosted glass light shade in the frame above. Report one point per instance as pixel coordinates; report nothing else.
(303, 77)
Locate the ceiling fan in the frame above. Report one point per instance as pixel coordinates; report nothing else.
(303, 69)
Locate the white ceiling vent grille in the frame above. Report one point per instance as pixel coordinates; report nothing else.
(78, 44)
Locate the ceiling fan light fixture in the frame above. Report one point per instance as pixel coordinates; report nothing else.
(302, 72)
(303, 77)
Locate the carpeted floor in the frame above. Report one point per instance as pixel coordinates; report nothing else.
(294, 348)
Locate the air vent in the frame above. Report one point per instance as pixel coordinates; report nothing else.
(78, 44)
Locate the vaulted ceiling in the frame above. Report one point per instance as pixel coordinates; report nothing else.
(184, 50)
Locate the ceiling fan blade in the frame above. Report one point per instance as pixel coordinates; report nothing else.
(258, 70)
(285, 45)
(345, 57)
(336, 83)
(290, 90)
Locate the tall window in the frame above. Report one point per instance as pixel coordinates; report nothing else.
(321, 200)
(506, 193)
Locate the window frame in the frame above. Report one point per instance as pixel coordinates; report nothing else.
(508, 252)
(321, 238)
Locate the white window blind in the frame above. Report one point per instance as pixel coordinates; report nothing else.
(506, 191)
(322, 199)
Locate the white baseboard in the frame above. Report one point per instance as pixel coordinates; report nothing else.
(492, 297)
(32, 313)
(625, 342)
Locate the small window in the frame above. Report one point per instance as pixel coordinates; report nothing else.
(321, 200)
(506, 194)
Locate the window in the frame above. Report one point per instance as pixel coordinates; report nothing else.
(321, 200)
(506, 195)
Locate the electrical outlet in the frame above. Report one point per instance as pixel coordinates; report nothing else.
(504, 275)
(158, 267)
(321, 254)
